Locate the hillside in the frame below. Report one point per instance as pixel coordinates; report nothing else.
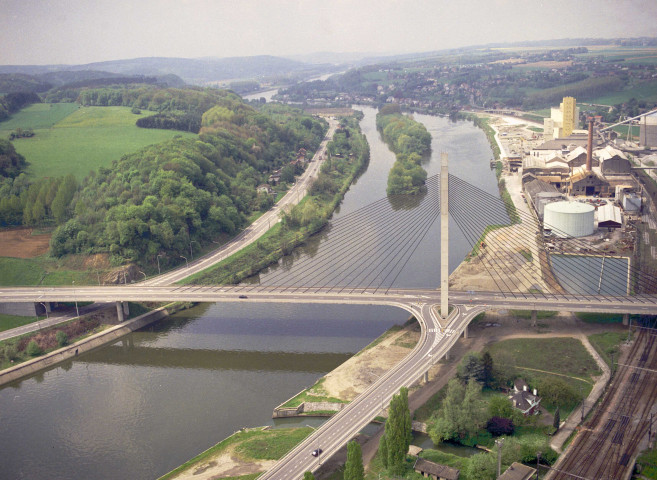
(196, 71)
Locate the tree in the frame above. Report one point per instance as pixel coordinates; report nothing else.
(383, 450)
(462, 413)
(397, 433)
(557, 419)
(500, 406)
(471, 367)
(487, 363)
(497, 426)
(353, 468)
(308, 476)
(482, 466)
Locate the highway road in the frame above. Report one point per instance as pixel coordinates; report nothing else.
(231, 293)
(258, 228)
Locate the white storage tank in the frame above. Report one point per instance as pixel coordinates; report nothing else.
(569, 219)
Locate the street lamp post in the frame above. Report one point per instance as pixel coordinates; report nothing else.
(158, 264)
(186, 263)
(191, 253)
(142, 274)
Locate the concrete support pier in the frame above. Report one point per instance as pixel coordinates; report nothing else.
(119, 312)
(626, 319)
(444, 237)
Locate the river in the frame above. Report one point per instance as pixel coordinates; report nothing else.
(148, 403)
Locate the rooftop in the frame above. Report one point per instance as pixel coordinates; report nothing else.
(569, 207)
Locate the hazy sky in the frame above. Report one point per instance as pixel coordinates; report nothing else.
(83, 31)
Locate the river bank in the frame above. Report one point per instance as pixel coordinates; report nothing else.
(352, 377)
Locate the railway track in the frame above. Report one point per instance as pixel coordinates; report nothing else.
(606, 444)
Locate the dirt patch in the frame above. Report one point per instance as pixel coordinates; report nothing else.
(20, 243)
(550, 64)
(224, 465)
(97, 261)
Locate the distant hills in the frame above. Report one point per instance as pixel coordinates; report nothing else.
(198, 71)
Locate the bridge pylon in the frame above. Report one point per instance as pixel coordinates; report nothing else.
(444, 236)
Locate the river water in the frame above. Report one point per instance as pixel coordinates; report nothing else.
(148, 403)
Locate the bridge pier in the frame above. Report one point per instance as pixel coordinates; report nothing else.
(426, 376)
(465, 332)
(626, 319)
(122, 309)
(534, 318)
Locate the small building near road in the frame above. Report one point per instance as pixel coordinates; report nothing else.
(435, 471)
(518, 471)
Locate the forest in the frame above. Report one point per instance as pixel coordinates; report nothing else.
(409, 140)
(160, 200)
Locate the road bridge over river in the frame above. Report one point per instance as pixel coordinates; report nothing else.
(359, 265)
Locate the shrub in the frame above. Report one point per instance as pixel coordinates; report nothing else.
(9, 352)
(497, 426)
(33, 349)
(61, 337)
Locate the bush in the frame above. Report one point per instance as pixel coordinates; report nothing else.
(497, 426)
(61, 337)
(33, 349)
(9, 352)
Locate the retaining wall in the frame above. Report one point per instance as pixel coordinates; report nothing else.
(71, 351)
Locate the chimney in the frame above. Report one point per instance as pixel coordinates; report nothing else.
(535, 394)
(524, 388)
(589, 153)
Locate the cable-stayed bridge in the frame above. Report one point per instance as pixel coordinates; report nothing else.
(363, 254)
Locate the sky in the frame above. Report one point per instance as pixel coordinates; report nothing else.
(84, 31)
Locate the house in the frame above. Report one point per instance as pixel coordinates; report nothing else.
(517, 471)
(435, 470)
(275, 177)
(528, 403)
(264, 188)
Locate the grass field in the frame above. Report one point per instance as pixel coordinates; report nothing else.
(644, 91)
(76, 140)
(566, 356)
(41, 271)
(7, 322)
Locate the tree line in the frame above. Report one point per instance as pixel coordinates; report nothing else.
(13, 102)
(409, 140)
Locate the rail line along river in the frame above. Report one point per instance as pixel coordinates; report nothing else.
(148, 403)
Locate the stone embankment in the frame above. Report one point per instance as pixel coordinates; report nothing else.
(85, 345)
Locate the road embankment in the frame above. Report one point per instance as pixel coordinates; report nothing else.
(82, 346)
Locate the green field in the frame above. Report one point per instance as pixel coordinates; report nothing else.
(42, 271)
(644, 91)
(76, 140)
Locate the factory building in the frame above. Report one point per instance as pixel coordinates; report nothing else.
(563, 121)
(648, 130)
(569, 219)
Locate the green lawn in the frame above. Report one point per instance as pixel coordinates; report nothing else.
(566, 356)
(42, 271)
(7, 322)
(77, 140)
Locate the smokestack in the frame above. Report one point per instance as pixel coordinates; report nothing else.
(589, 153)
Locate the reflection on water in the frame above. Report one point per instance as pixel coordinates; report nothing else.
(151, 401)
(424, 441)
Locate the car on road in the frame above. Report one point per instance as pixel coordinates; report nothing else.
(317, 452)
(243, 296)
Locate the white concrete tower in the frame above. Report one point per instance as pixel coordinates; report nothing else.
(444, 237)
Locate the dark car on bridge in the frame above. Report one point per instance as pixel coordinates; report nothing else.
(317, 452)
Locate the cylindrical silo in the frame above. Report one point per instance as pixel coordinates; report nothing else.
(569, 219)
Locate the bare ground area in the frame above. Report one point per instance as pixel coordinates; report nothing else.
(359, 372)
(21, 243)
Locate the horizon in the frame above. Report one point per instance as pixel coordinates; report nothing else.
(78, 32)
